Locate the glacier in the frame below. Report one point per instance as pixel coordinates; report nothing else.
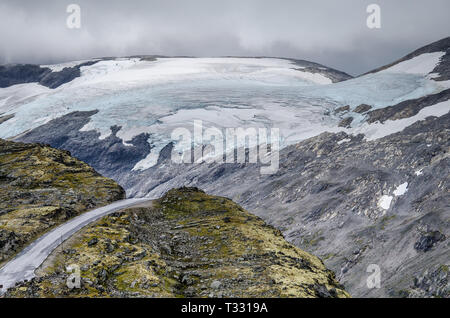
(155, 97)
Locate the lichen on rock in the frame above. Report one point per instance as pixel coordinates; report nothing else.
(187, 244)
(42, 187)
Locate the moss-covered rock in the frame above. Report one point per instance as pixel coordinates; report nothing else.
(41, 187)
(186, 244)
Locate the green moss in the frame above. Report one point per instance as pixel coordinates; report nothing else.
(191, 240)
(313, 240)
(385, 220)
(41, 187)
(329, 256)
(444, 268)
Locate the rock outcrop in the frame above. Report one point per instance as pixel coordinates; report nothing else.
(187, 244)
(326, 199)
(29, 73)
(41, 187)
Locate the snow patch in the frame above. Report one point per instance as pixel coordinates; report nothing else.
(152, 158)
(422, 64)
(385, 202)
(401, 189)
(379, 130)
(15, 95)
(343, 141)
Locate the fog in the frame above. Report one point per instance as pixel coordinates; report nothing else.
(330, 32)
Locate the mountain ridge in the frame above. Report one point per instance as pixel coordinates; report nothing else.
(14, 74)
(437, 46)
(186, 244)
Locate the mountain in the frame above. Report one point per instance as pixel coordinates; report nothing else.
(42, 187)
(355, 202)
(440, 48)
(140, 100)
(363, 161)
(186, 244)
(54, 76)
(15, 74)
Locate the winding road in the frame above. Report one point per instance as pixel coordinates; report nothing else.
(23, 266)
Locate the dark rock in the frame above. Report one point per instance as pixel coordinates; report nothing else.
(140, 256)
(216, 284)
(342, 109)
(28, 73)
(362, 108)
(110, 247)
(427, 241)
(93, 242)
(311, 67)
(66, 75)
(102, 275)
(5, 118)
(21, 73)
(407, 108)
(346, 122)
(341, 188)
(323, 292)
(108, 156)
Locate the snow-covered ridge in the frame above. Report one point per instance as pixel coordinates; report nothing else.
(170, 70)
(60, 66)
(423, 64)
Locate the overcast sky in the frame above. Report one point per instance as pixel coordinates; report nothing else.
(330, 32)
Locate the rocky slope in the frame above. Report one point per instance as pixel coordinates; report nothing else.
(187, 244)
(41, 187)
(28, 73)
(354, 203)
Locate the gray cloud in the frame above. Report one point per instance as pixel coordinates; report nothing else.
(330, 32)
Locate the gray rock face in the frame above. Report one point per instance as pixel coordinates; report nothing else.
(407, 108)
(346, 122)
(362, 108)
(432, 283)
(428, 240)
(66, 75)
(5, 118)
(335, 75)
(21, 73)
(342, 109)
(325, 199)
(108, 156)
(28, 73)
